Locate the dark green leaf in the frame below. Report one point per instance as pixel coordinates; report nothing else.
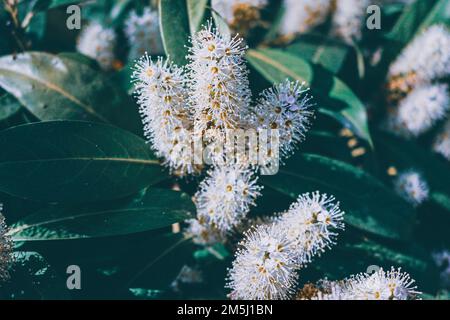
(324, 51)
(33, 278)
(368, 204)
(155, 209)
(9, 107)
(74, 162)
(41, 5)
(197, 12)
(335, 97)
(175, 30)
(53, 87)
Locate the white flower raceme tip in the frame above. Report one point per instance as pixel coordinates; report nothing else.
(219, 87)
(311, 224)
(302, 15)
(264, 268)
(412, 186)
(143, 34)
(286, 108)
(420, 110)
(226, 195)
(98, 42)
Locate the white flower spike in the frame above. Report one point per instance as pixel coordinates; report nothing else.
(143, 34)
(349, 18)
(161, 92)
(300, 16)
(287, 108)
(427, 57)
(98, 43)
(420, 110)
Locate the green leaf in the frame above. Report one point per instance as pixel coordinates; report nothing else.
(33, 278)
(80, 58)
(9, 107)
(42, 5)
(335, 97)
(405, 155)
(53, 87)
(74, 162)
(197, 13)
(320, 50)
(368, 204)
(155, 209)
(175, 29)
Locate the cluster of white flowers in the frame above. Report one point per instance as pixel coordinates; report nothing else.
(412, 186)
(418, 102)
(419, 110)
(302, 15)
(98, 42)
(5, 248)
(240, 15)
(267, 264)
(427, 56)
(208, 98)
(442, 142)
(349, 18)
(381, 285)
(143, 33)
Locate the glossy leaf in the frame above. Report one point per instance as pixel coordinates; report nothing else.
(74, 162)
(155, 209)
(175, 29)
(56, 87)
(197, 12)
